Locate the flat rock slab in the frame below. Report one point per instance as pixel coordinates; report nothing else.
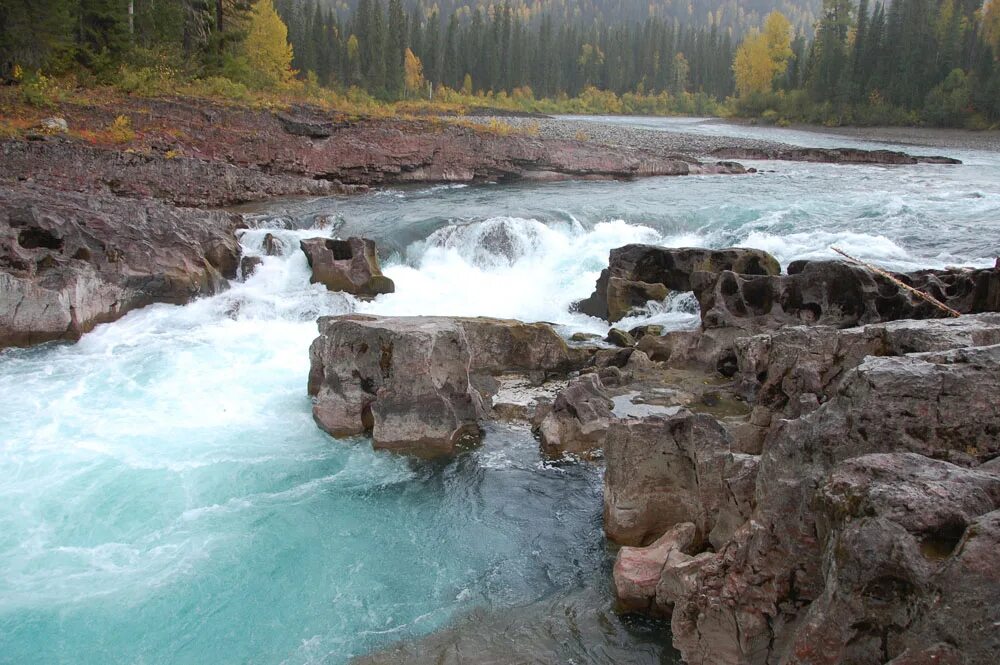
(422, 384)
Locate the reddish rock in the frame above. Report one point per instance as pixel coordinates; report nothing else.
(638, 570)
(348, 265)
(69, 261)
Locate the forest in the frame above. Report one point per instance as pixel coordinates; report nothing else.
(900, 62)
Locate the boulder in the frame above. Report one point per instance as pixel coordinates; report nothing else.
(897, 575)
(619, 337)
(662, 471)
(837, 294)
(348, 265)
(790, 372)
(422, 384)
(273, 245)
(638, 570)
(647, 330)
(249, 265)
(69, 261)
(54, 125)
(579, 420)
(640, 273)
(749, 602)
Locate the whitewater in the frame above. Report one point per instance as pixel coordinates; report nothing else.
(166, 498)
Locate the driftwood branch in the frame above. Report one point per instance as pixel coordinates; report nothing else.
(917, 292)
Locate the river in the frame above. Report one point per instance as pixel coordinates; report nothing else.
(166, 498)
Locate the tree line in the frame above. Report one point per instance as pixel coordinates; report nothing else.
(936, 61)
(902, 62)
(500, 51)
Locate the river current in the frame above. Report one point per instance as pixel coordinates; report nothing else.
(166, 498)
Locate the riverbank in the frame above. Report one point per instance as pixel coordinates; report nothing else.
(936, 137)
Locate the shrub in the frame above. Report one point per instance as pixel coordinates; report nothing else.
(120, 130)
(39, 90)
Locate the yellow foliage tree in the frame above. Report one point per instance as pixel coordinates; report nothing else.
(991, 25)
(753, 67)
(266, 47)
(413, 73)
(778, 34)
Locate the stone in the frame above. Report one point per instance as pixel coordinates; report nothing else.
(639, 273)
(579, 420)
(647, 330)
(891, 524)
(662, 471)
(637, 570)
(837, 294)
(751, 599)
(619, 337)
(249, 265)
(624, 296)
(273, 246)
(54, 125)
(584, 337)
(70, 261)
(348, 265)
(789, 372)
(423, 384)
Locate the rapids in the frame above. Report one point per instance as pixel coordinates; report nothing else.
(166, 498)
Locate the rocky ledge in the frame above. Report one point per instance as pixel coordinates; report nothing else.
(830, 156)
(851, 514)
(198, 153)
(69, 261)
(422, 385)
(811, 476)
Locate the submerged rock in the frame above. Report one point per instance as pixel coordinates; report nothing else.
(348, 265)
(640, 273)
(422, 384)
(578, 626)
(70, 261)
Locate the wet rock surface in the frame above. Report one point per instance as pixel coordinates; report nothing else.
(576, 627)
(350, 266)
(69, 261)
(830, 155)
(640, 273)
(423, 384)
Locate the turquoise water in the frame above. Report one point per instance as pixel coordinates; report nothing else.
(166, 498)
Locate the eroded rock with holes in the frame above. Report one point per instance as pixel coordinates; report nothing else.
(350, 266)
(790, 372)
(70, 261)
(748, 602)
(837, 294)
(895, 570)
(640, 273)
(422, 384)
